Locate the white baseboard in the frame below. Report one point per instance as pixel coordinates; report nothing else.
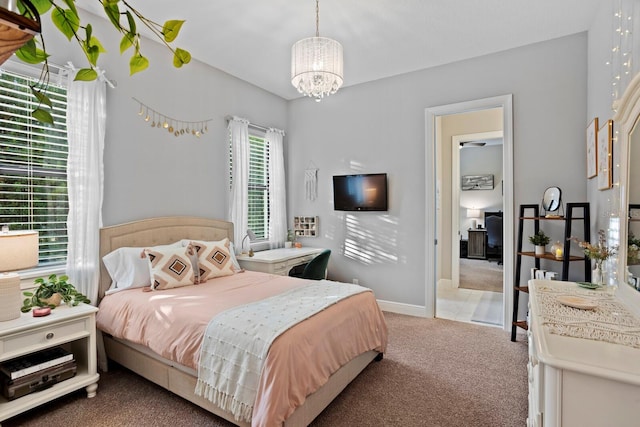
(399, 308)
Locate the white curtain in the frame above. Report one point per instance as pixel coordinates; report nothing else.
(239, 191)
(277, 191)
(86, 117)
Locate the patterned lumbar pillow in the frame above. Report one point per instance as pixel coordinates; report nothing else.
(170, 267)
(214, 258)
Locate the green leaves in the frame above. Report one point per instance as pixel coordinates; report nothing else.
(171, 29)
(66, 20)
(137, 63)
(45, 289)
(181, 57)
(30, 53)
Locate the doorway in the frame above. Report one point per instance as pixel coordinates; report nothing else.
(440, 245)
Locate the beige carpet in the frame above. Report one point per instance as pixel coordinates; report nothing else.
(435, 373)
(480, 275)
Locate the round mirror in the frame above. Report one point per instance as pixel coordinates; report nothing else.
(551, 199)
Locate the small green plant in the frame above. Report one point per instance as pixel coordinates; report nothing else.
(539, 239)
(51, 292)
(291, 237)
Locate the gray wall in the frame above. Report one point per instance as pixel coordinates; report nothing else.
(379, 127)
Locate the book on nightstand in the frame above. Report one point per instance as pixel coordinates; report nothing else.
(34, 362)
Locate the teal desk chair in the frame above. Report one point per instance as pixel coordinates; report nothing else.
(316, 269)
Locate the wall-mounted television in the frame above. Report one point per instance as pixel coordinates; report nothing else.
(363, 192)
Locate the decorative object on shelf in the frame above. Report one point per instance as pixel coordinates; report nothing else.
(311, 182)
(557, 250)
(540, 241)
(592, 157)
(477, 182)
(316, 64)
(67, 20)
(18, 250)
(552, 203)
(174, 126)
(605, 156)
(305, 226)
(474, 214)
(52, 293)
(598, 252)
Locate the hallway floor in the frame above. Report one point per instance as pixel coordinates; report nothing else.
(459, 304)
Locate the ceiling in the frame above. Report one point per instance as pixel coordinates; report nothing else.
(252, 39)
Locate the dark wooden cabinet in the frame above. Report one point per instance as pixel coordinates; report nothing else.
(477, 247)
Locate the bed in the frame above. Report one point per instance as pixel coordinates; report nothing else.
(180, 377)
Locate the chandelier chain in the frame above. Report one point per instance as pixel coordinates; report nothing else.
(317, 18)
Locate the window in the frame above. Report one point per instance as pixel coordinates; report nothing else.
(258, 191)
(33, 166)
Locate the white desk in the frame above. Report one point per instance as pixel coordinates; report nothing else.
(278, 261)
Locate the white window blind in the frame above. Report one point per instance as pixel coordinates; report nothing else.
(259, 187)
(33, 166)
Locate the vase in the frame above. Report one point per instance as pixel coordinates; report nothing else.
(597, 275)
(540, 249)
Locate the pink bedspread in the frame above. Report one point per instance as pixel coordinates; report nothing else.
(172, 323)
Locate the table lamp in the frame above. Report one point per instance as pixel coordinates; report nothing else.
(252, 236)
(474, 214)
(18, 250)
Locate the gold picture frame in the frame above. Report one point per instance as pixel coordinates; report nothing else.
(605, 156)
(592, 148)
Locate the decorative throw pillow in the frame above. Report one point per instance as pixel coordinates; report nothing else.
(128, 269)
(232, 252)
(170, 267)
(214, 258)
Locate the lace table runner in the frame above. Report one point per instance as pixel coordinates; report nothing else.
(610, 321)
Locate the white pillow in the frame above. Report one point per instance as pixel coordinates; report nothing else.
(170, 267)
(128, 269)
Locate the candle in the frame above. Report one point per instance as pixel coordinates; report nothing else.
(559, 253)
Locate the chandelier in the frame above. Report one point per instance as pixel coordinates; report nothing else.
(316, 64)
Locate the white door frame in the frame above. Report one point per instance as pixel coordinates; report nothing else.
(432, 196)
(455, 196)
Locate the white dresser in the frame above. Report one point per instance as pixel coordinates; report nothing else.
(578, 382)
(278, 261)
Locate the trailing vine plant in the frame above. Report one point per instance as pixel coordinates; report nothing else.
(64, 14)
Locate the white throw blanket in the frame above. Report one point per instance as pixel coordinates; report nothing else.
(236, 342)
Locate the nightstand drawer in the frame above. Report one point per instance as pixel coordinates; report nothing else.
(38, 338)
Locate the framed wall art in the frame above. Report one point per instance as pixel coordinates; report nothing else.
(592, 151)
(477, 182)
(605, 156)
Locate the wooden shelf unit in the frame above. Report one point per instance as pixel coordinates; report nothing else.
(567, 258)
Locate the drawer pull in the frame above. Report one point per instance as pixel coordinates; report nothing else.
(49, 335)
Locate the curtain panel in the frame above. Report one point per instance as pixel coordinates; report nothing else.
(86, 119)
(277, 189)
(239, 188)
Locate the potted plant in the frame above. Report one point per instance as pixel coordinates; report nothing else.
(539, 240)
(291, 237)
(51, 293)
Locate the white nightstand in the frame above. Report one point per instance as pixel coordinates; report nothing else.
(73, 328)
(278, 261)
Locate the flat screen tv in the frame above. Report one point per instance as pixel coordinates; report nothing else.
(363, 192)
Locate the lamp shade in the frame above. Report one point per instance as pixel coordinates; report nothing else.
(473, 213)
(317, 66)
(18, 250)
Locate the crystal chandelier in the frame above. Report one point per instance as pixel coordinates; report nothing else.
(316, 64)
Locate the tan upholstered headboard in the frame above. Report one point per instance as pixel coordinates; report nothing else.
(157, 231)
